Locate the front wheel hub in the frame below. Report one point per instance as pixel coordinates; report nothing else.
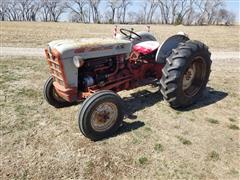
(104, 116)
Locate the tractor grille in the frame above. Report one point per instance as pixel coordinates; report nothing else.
(56, 68)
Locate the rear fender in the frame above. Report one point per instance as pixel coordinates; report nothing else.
(166, 47)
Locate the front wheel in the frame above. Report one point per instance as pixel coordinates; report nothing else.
(51, 95)
(186, 74)
(101, 115)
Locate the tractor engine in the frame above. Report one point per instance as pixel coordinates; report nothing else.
(118, 72)
(98, 71)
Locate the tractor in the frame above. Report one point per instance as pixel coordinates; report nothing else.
(93, 70)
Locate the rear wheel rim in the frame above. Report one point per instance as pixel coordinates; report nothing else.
(194, 77)
(104, 116)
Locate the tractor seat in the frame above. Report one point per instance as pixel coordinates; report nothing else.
(146, 47)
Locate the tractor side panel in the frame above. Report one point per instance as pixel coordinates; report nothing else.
(71, 72)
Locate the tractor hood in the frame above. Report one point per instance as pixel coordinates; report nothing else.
(90, 48)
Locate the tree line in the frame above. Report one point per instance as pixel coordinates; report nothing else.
(187, 12)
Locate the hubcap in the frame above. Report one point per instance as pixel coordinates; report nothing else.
(194, 77)
(104, 116)
(189, 76)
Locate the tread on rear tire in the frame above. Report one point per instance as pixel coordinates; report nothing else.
(191, 55)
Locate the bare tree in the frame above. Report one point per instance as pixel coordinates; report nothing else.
(212, 11)
(119, 12)
(28, 9)
(141, 15)
(94, 9)
(77, 8)
(106, 16)
(24, 8)
(135, 18)
(165, 10)
(182, 10)
(12, 11)
(144, 19)
(44, 10)
(3, 10)
(34, 11)
(208, 10)
(189, 12)
(230, 18)
(122, 10)
(114, 5)
(124, 5)
(174, 5)
(56, 9)
(51, 10)
(225, 17)
(152, 9)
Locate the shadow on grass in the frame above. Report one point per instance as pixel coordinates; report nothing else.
(130, 126)
(136, 102)
(125, 128)
(210, 96)
(145, 98)
(140, 100)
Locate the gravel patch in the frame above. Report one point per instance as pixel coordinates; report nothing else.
(39, 52)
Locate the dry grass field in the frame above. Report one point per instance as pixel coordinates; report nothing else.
(155, 142)
(25, 34)
(41, 142)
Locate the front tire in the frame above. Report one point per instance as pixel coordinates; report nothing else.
(186, 73)
(51, 95)
(101, 115)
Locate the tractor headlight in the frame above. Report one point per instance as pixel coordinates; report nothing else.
(78, 61)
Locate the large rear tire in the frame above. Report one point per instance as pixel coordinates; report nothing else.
(101, 115)
(186, 73)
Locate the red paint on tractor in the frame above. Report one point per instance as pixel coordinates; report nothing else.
(57, 71)
(126, 77)
(146, 47)
(128, 74)
(91, 49)
(68, 94)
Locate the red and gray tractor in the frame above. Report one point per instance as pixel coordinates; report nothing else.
(94, 70)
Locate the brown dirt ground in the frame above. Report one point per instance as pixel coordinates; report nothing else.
(38, 34)
(41, 142)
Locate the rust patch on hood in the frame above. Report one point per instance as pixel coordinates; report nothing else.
(90, 49)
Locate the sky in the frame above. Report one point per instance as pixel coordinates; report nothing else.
(234, 6)
(231, 5)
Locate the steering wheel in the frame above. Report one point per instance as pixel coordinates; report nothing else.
(129, 36)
